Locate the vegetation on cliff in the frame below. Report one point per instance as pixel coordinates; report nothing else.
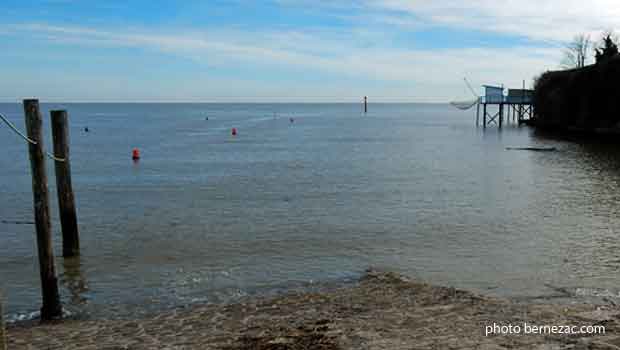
(586, 98)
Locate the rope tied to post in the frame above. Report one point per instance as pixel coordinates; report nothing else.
(33, 142)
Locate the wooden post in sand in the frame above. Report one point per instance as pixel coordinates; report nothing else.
(66, 200)
(2, 330)
(51, 308)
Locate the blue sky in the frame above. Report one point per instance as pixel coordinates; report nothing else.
(282, 50)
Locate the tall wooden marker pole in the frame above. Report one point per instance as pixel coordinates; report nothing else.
(66, 200)
(51, 308)
(365, 104)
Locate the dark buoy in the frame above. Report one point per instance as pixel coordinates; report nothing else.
(86, 129)
(234, 132)
(207, 118)
(292, 119)
(135, 154)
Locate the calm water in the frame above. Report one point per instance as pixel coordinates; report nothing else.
(207, 217)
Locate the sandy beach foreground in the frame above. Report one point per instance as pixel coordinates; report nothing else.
(382, 311)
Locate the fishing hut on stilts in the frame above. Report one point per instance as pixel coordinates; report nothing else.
(497, 107)
(515, 107)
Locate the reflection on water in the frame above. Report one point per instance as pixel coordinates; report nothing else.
(205, 217)
(72, 279)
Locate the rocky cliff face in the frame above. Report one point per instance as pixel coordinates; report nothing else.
(586, 98)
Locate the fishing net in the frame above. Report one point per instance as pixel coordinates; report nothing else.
(465, 105)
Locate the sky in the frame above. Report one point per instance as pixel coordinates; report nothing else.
(283, 50)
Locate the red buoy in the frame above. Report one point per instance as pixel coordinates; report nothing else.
(135, 154)
(234, 132)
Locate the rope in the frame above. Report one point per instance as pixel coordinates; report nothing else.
(16, 222)
(471, 88)
(51, 156)
(33, 142)
(17, 131)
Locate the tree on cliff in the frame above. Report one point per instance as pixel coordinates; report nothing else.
(576, 51)
(608, 49)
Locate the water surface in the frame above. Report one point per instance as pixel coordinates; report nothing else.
(208, 217)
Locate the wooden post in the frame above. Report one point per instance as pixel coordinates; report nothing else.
(2, 330)
(522, 101)
(484, 115)
(66, 200)
(365, 104)
(477, 113)
(49, 285)
(501, 114)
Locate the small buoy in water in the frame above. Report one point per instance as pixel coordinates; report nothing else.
(234, 132)
(86, 129)
(207, 118)
(292, 119)
(135, 154)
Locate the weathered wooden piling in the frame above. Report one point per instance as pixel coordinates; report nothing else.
(501, 114)
(66, 199)
(49, 285)
(365, 104)
(2, 329)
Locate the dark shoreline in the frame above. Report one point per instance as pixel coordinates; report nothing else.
(574, 134)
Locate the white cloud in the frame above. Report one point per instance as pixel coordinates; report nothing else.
(361, 56)
(536, 19)
(426, 75)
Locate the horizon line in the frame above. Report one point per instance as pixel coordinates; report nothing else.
(228, 102)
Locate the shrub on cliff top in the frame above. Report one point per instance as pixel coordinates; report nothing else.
(608, 51)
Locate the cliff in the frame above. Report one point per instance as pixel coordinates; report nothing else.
(579, 99)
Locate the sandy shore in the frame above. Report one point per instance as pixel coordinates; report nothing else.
(381, 311)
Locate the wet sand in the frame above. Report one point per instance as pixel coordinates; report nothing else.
(381, 311)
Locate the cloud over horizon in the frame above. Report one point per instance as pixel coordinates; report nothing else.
(395, 50)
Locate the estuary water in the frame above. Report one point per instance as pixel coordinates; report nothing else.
(205, 216)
